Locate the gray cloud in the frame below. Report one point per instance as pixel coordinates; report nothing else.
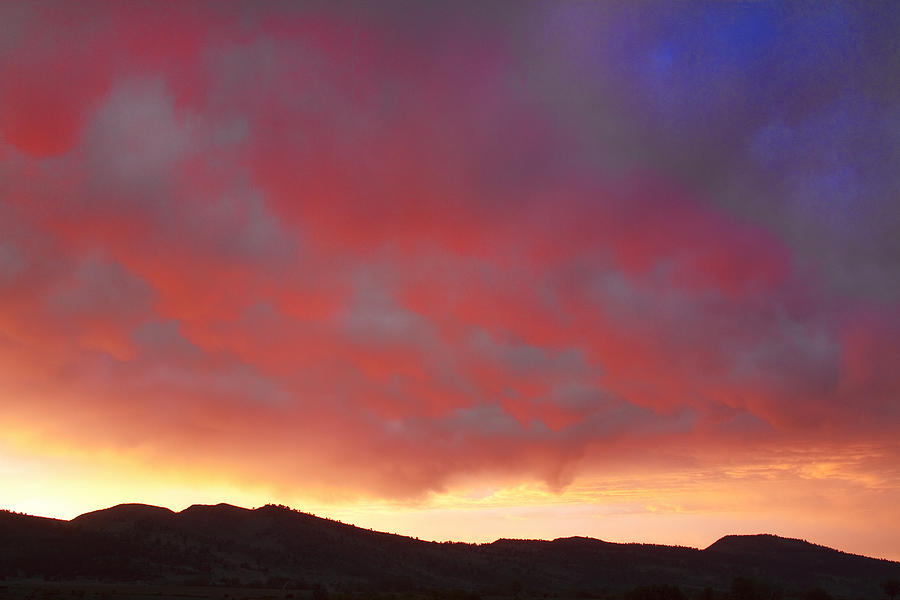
(101, 288)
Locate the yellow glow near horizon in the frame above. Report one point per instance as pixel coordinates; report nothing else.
(666, 507)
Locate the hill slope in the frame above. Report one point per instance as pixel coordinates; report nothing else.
(279, 547)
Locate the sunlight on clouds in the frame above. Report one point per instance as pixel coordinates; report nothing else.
(790, 499)
(513, 284)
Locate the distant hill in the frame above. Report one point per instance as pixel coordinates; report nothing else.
(278, 547)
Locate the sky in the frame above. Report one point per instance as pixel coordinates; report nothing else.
(458, 271)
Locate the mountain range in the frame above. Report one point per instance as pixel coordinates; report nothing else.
(280, 548)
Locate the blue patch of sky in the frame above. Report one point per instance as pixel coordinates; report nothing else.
(731, 59)
(699, 56)
(833, 162)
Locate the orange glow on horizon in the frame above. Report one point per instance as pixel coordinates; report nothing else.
(797, 500)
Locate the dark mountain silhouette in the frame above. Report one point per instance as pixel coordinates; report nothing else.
(123, 516)
(278, 547)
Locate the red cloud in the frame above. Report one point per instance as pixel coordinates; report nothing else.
(257, 245)
(52, 79)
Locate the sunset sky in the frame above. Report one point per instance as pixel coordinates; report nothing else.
(458, 271)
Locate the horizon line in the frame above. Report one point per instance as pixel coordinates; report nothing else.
(418, 539)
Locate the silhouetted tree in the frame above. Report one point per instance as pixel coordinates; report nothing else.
(656, 592)
(817, 594)
(744, 588)
(320, 593)
(891, 587)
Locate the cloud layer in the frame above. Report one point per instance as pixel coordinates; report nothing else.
(391, 253)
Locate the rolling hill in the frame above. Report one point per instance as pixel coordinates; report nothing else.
(277, 547)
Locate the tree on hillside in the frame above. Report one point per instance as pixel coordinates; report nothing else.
(745, 588)
(656, 592)
(816, 594)
(891, 587)
(320, 593)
